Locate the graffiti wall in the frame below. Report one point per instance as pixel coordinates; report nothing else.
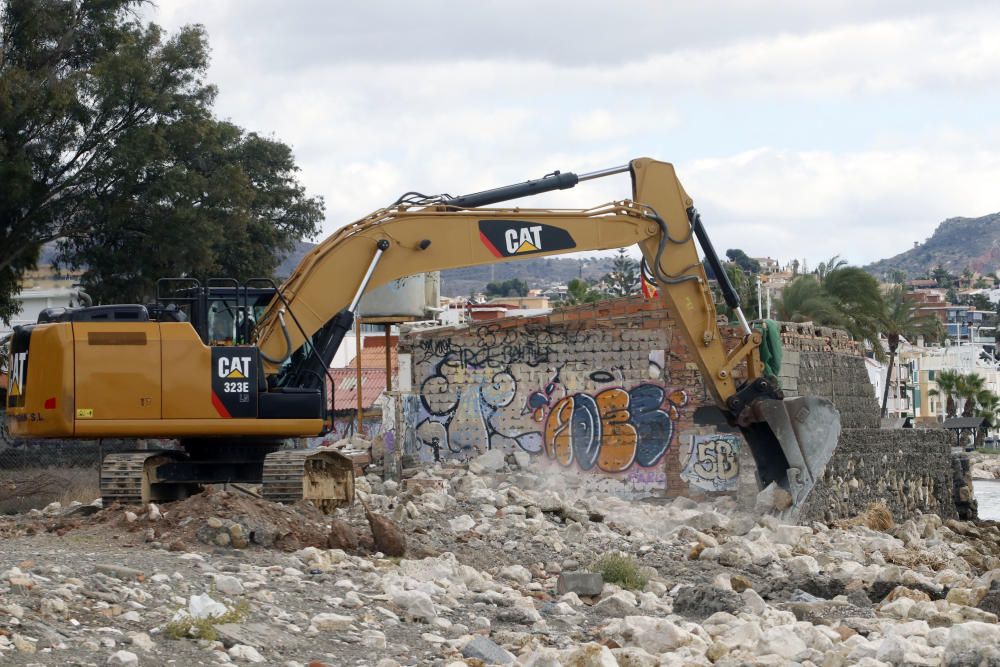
(711, 462)
(596, 401)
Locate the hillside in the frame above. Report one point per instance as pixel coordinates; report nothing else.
(538, 273)
(955, 244)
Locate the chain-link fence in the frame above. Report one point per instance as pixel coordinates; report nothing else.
(36, 472)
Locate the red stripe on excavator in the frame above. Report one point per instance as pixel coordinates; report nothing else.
(219, 407)
(492, 248)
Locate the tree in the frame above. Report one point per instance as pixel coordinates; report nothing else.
(578, 291)
(623, 280)
(943, 277)
(206, 200)
(969, 386)
(948, 384)
(897, 276)
(859, 301)
(509, 288)
(901, 318)
(967, 276)
(979, 302)
(795, 268)
(107, 142)
(745, 262)
(988, 406)
(829, 266)
(805, 300)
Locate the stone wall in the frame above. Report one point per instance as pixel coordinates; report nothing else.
(909, 470)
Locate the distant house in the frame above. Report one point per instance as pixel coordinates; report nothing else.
(767, 264)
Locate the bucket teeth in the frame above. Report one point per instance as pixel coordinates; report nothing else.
(792, 440)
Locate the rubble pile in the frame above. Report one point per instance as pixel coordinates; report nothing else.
(985, 466)
(501, 566)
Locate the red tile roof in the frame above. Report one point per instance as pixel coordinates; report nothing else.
(345, 392)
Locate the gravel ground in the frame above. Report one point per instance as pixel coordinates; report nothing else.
(222, 578)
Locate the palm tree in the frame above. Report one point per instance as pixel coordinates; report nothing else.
(901, 319)
(860, 302)
(947, 382)
(831, 265)
(989, 405)
(804, 300)
(969, 386)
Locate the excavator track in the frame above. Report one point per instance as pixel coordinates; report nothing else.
(323, 477)
(126, 476)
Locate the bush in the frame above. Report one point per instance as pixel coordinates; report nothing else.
(620, 569)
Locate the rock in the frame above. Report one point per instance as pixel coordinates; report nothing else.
(23, 644)
(523, 459)
(656, 635)
(373, 639)
(483, 648)
(415, 603)
(802, 566)
(589, 655)
(247, 653)
(493, 460)
(618, 604)
(462, 523)
(204, 606)
(701, 601)
(971, 643)
(581, 583)
(342, 536)
(153, 513)
(124, 659)
(782, 640)
(739, 583)
(121, 572)
(516, 573)
(131, 517)
(389, 539)
(773, 499)
(791, 535)
(969, 597)
(228, 585)
(326, 622)
(141, 640)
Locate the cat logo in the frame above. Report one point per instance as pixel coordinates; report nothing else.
(18, 371)
(525, 239)
(236, 368)
(507, 238)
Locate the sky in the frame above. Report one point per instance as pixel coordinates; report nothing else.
(800, 129)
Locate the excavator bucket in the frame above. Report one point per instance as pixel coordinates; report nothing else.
(792, 440)
(321, 476)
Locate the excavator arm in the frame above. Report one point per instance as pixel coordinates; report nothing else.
(791, 440)
(405, 240)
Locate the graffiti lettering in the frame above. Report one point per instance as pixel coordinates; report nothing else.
(713, 462)
(614, 429)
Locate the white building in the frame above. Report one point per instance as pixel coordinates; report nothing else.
(36, 299)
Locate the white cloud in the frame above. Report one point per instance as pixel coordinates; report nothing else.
(862, 205)
(380, 98)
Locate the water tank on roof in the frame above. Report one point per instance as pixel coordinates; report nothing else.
(406, 298)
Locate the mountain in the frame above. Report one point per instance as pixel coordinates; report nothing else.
(955, 244)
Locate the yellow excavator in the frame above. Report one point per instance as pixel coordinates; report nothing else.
(231, 370)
